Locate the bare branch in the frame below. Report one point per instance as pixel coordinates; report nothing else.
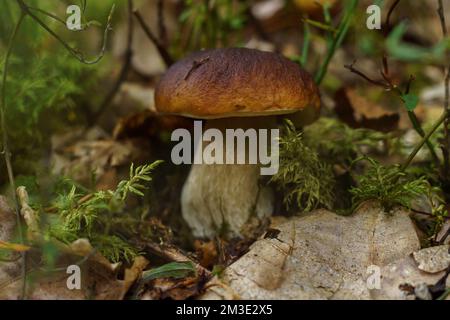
(168, 60)
(388, 17)
(73, 51)
(446, 147)
(378, 83)
(123, 72)
(161, 24)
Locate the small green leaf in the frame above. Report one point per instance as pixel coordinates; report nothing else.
(411, 101)
(175, 270)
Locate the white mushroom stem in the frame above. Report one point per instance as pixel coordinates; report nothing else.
(224, 199)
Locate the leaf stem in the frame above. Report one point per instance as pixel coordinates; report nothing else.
(337, 40)
(306, 43)
(446, 147)
(419, 130)
(413, 154)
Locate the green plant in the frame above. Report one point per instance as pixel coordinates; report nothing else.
(302, 177)
(334, 39)
(44, 85)
(336, 142)
(99, 216)
(389, 185)
(439, 211)
(175, 270)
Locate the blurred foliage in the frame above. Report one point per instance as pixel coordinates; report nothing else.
(209, 24)
(412, 53)
(45, 88)
(337, 143)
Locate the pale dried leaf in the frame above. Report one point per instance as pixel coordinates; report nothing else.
(320, 256)
(433, 259)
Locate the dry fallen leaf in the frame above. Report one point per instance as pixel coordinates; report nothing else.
(433, 259)
(176, 289)
(399, 277)
(359, 112)
(206, 252)
(319, 256)
(79, 157)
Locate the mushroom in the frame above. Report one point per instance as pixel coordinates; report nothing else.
(233, 88)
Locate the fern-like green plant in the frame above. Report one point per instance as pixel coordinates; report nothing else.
(94, 215)
(387, 184)
(302, 177)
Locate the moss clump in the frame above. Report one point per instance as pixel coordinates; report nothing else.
(304, 179)
(337, 143)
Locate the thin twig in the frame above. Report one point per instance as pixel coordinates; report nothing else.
(385, 74)
(48, 14)
(161, 49)
(426, 213)
(6, 151)
(446, 148)
(123, 72)
(388, 17)
(73, 51)
(379, 83)
(84, 26)
(162, 32)
(388, 85)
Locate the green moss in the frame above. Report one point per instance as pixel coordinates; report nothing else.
(337, 143)
(303, 178)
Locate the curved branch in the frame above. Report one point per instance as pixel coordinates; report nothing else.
(73, 51)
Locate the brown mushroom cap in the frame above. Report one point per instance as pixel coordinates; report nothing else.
(236, 82)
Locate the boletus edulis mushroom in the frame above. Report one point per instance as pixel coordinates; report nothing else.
(233, 88)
